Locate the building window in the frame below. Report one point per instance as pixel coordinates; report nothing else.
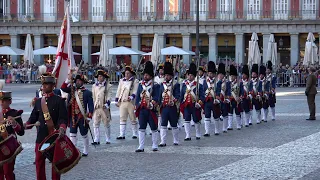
(4, 7)
(123, 10)
(309, 9)
(253, 9)
(49, 10)
(25, 8)
(97, 10)
(147, 10)
(171, 10)
(202, 9)
(226, 9)
(281, 10)
(74, 8)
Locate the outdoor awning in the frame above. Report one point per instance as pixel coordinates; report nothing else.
(50, 50)
(172, 50)
(7, 50)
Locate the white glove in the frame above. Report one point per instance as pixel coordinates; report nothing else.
(198, 105)
(250, 96)
(227, 100)
(150, 106)
(216, 101)
(67, 81)
(266, 96)
(106, 105)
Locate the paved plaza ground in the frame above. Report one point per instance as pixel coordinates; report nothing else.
(288, 148)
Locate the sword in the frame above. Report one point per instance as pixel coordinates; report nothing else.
(91, 134)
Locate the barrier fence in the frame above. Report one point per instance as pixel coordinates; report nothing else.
(283, 79)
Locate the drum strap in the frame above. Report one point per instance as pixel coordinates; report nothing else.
(3, 127)
(46, 115)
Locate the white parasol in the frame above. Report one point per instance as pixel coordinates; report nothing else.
(104, 54)
(272, 50)
(28, 51)
(311, 51)
(254, 51)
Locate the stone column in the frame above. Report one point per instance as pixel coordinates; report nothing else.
(240, 48)
(162, 43)
(111, 41)
(186, 45)
(265, 47)
(294, 48)
(15, 42)
(213, 47)
(135, 44)
(38, 44)
(86, 48)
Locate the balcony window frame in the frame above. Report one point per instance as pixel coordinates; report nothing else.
(98, 10)
(123, 10)
(226, 10)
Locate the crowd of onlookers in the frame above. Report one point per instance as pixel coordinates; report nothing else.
(287, 76)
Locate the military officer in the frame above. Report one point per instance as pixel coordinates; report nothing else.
(159, 78)
(244, 91)
(80, 100)
(169, 95)
(211, 105)
(255, 92)
(223, 86)
(264, 94)
(234, 94)
(202, 76)
(57, 120)
(101, 94)
(191, 102)
(10, 124)
(146, 107)
(271, 91)
(125, 96)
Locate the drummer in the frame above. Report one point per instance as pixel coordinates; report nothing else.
(13, 126)
(51, 112)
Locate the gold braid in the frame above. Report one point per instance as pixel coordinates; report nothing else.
(73, 106)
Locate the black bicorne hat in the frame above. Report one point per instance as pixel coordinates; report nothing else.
(161, 66)
(168, 68)
(262, 70)
(102, 73)
(82, 78)
(192, 69)
(212, 67)
(47, 78)
(201, 68)
(129, 68)
(222, 69)
(233, 70)
(245, 70)
(148, 68)
(255, 68)
(269, 65)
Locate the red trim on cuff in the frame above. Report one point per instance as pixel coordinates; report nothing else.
(27, 123)
(63, 126)
(17, 128)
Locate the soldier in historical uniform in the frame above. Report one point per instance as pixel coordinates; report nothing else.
(101, 94)
(10, 124)
(223, 86)
(51, 112)
(125, 97)
(234, 97)
(263, 93)
(211, 105)
(271, 92)
(169, 96)
(244, 91)
(159, 78)
(255, 92)
(146, 107)
(201, 73)
(80, 108)
(191, 102)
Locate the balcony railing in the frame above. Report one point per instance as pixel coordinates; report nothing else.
(166, 16)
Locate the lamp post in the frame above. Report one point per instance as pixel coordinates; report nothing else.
(281, 42)
(197, 33)
(148, 42)
(174, 41)
(226, 41)
(4, 42)
(123, 42)
(74, 43)
(50, 42)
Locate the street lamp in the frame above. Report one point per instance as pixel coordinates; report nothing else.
(4, 42)
(174, 41)
(123, 42)
(148, 42)
(74, 43)
(226, 41)
(281, 42)
(50, 42)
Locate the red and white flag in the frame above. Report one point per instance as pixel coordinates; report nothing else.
(64, 58)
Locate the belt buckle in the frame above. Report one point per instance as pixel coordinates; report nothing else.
(46, 116)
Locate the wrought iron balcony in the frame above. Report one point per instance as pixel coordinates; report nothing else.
(166, 16)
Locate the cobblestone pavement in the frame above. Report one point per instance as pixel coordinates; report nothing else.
(288, 148)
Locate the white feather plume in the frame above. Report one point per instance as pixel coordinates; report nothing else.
(2, 83)
(42, 69)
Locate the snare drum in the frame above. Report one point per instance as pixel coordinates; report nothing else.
(61, 152)
(9, 149)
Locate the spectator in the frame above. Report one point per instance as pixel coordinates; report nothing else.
(318, 72)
